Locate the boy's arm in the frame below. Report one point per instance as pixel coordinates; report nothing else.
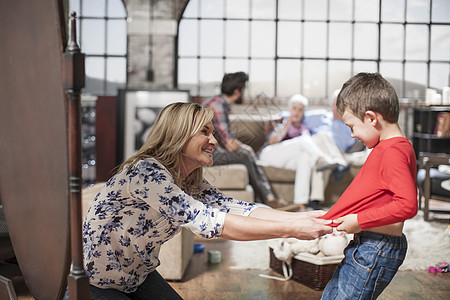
(398, 172)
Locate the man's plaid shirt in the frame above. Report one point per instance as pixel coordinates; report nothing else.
(221, 121)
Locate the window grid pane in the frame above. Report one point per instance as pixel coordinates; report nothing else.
(391, 44)
(289, 39)
(288, 80)
(237, 33)
(188, 38)
(211, 38)
(102, 36)
(416, 49)
(415, 79)
(262, 74)
(210, 75)
(340, 40)
(262, 39)
(313, 46)
(290, 9)
(237, 9)
(95, 76)
(338, 72)
(314, 77)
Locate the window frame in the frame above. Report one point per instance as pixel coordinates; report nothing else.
(357, 60)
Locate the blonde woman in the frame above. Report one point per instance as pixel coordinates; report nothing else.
(161, 189)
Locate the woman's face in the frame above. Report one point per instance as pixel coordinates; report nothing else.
(197, 152)
(297, 111)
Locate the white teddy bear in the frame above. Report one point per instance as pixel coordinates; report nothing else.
(309, 246)
(327, 245)
(285, 249)
(333, 244)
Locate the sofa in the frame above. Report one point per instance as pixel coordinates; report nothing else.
(232, 180)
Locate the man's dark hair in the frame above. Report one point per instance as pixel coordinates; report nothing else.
(233, 81)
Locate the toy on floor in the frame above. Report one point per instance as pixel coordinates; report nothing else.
(439, 268)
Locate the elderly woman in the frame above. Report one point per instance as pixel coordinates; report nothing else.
(161, 189)
(290, 146)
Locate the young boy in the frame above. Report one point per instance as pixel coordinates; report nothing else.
(381, 197)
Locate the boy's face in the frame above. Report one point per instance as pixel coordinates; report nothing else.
(364, 130)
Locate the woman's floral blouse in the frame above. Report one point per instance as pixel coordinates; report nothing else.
(136, 212)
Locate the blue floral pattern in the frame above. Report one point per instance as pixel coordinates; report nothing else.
(136, 212)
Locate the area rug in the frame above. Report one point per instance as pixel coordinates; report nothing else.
(428, 245)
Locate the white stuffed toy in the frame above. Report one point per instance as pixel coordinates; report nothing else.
(333, 244)
(327, 245)
(309, 246)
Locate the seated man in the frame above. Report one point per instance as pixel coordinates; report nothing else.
(229, 149)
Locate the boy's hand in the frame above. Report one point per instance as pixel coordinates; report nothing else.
(348, 223)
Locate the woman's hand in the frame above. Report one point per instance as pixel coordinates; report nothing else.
(265, 223)
(280, 132)
(308, 226)
(348, 223)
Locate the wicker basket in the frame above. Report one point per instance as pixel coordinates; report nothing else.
(308, 269)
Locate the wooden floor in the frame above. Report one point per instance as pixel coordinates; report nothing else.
(206, 281)
(219, 281)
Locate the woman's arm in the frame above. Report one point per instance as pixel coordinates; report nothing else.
(264, 223)
(267, 213)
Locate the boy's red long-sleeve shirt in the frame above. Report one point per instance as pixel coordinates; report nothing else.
(385, 190)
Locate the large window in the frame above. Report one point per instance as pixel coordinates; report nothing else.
(313, 46)
(102, 36)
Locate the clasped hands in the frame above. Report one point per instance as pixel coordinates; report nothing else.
(348, 223)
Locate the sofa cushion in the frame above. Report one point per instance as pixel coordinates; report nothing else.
(246, 195)
(275, 174)
(227, 177)
(175, 255)
(249, 129)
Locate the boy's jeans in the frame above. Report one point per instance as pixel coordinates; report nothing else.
(371, 261)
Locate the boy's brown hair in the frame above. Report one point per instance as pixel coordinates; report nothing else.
(369, 91)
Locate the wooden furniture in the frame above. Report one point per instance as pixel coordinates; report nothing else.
(40, 151)
(428, 189)
(424, 136)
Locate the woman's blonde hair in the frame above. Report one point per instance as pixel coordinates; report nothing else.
(174, 126)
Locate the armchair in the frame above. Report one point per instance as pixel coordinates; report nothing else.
(429, 180)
